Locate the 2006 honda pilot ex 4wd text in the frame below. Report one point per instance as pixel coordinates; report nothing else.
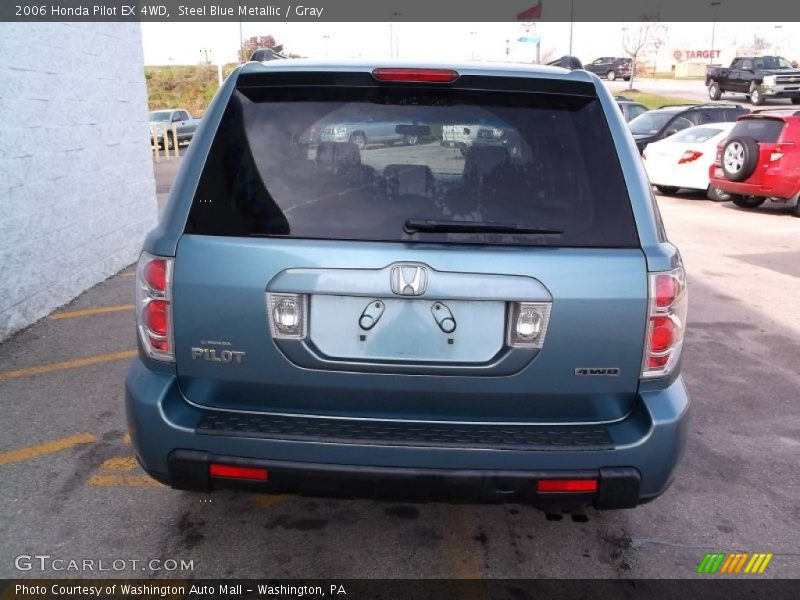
(338, 302)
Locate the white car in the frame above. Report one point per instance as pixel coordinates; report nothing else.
(682, 161)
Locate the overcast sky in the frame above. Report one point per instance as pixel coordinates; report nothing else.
(182, 43)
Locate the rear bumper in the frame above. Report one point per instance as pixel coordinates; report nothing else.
(772, 185)
(635, 467)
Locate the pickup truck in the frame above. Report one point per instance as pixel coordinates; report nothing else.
(185, 125)
(758, 77)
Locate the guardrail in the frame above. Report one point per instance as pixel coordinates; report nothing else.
(164, 131)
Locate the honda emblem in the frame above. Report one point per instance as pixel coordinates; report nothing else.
(408, 280)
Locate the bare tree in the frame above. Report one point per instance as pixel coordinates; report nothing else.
(753, 48)
(640, 39)
(547, 55)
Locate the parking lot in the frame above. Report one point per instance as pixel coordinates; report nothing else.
(71, 488)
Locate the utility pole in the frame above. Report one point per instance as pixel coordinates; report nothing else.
(325, 38)
(713, 6)
(571, 19)
(241, 42)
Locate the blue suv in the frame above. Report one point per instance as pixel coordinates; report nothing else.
(326, 317)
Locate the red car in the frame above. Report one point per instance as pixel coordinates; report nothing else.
(760, 160)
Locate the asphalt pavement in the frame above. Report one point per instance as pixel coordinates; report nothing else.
(70, 488)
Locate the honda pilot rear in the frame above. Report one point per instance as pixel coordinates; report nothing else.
(329, 314)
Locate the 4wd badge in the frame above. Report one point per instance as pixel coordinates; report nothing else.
(611, 371)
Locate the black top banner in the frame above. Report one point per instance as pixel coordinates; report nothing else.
(402, 10)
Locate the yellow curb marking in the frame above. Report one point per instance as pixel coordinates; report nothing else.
(86, 312)
(67, 364)
(120, 463)
(142, 481)
(46, 448)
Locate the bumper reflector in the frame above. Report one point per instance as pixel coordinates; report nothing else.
(216, 470)
(566, 485)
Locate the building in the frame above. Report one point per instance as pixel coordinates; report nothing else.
(77, 192)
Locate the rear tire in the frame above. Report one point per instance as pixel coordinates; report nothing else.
(716, 194)
(747, 201)
(713, 91)
(359, 139)
(669, 190)
(611, 75)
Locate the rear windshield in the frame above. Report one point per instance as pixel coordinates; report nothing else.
(763, 130)
(367, 164)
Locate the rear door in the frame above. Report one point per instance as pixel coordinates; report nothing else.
(418, 282)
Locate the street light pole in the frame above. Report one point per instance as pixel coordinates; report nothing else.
(713, 6)
(775, 45)
(571, 19)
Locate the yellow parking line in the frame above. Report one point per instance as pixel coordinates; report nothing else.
(46, 448)
(127, 273)
(143, 481)
(272, 500)
(67, 364)
(120, 463)
(86, 312)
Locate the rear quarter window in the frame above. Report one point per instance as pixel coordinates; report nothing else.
(358, 163)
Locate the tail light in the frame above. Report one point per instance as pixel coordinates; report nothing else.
(776, 154)
(718, 157)
(416, 75)
(689, 156)
(154, 306)
(527, 323)
(666, 322)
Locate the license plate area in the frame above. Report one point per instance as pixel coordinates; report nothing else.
(406, 330)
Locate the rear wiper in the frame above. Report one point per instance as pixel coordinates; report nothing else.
(433, 225)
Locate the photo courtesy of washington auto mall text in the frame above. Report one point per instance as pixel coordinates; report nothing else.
(399, 299)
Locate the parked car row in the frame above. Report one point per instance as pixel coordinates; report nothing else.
(655, 125)
(749, 161)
